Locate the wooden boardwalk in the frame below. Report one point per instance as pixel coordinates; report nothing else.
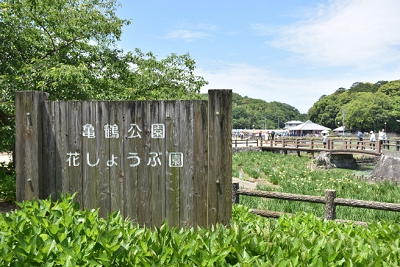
(335, 146)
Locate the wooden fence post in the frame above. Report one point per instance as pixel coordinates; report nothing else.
(330, 208)
(220, 156)
(28, 140)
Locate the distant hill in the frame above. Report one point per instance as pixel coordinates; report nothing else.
(248, 113)
(363, 106)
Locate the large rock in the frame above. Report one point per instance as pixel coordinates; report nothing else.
(323, 161)
(345, 161)
(326, 160)
(387, 168)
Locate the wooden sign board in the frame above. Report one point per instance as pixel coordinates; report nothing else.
(151, 160)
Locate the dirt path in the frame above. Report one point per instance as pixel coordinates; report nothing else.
(245, 184)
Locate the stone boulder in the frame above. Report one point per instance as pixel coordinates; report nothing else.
(387, 168)
(323, 161)
(344, 161)
(326, 160)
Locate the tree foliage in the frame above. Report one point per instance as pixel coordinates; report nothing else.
(247, 112)
(68, 49)
(365, 107)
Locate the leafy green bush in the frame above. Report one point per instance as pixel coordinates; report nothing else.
(60, 234)
(7, 182)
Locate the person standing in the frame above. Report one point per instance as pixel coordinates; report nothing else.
(382, 137)
(372, 140)
(324, 139)
(360, 139)
(273, 135)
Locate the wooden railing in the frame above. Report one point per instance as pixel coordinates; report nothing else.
(330, 200)
(350, 145)
(332, 145)
(245, 142)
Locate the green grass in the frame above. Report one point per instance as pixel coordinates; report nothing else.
(293, 174)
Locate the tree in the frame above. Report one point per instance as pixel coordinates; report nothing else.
(367, 112)
(170, 78)
(68, 49)
(325, 110)
(367, 106)
(391, 88)
(247, 112)
(339, 91)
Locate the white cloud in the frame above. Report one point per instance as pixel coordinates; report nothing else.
(187, 35)
(191, 32)
(361, 33)
(346, 40)
(262, 84)
(259, 83)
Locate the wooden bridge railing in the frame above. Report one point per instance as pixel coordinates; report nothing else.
(351, 145)
(332, 144)
(330, 200)
(246, 142)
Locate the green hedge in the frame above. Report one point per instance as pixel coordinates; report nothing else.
(42, 234)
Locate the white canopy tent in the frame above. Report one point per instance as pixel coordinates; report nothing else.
(308, 127)
(340, 130)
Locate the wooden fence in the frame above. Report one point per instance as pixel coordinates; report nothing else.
(246, 143)
(333, 145)
(329, 200)
(151, 160)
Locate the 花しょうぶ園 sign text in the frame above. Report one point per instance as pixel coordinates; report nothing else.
(175, 159)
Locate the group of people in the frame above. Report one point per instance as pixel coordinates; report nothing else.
(372, 138)
(360, 135)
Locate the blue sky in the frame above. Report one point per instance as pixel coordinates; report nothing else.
(288, 51)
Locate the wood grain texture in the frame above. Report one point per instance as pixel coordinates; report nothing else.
(150, 160)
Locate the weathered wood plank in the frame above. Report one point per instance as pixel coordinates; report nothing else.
(280, 195)
(58, 120)
(144, 182)
(186, 178)
(220, 156)
(156, 162)
(132, 158)
(29, 144)
(162, 146)
(105, 155)
(91, 155)
(62, 173)
(367, 204)
(147, 177)
(49, 150)
(200, 162)
(20, 143)
(117, 152)
(74, 133)
(173, 174)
